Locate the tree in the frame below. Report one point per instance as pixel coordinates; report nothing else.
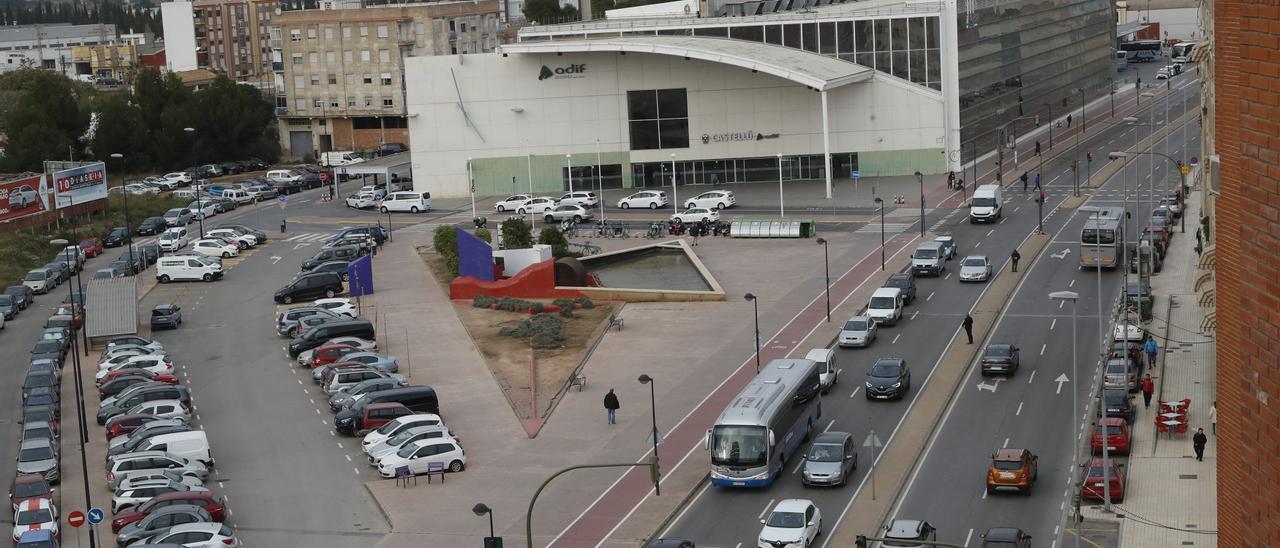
(46, 122)
(120, 130)
(549, 11)
(517, 234)
(553, 237)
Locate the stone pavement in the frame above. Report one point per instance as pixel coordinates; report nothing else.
(1170, 498)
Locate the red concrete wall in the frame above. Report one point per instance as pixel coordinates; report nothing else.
(536, 282)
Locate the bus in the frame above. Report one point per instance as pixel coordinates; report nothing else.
(765, 424)
(1140, 45)
(1101, 239)
(1181, 52)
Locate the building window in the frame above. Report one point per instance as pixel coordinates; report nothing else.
(388, 103)
(315, 79)
(368, 101)
(346, 56)
(300, 104)
(333, 79)
(316, 103)
(364, 55)
(295, 35)
(333, 102)
(297, 58)
(384, 56)
(298, 81)
(346, 32)
(659, 119)
(364, 30)
(331, 57)
(386, 78)
(462, 27)
(328, 33)
(351, 102)
(368, 79)
(313, 58)
(311, 33)
(382, 31)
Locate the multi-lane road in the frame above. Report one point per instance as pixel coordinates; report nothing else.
(948, 490)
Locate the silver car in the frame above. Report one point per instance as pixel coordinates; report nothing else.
(39, 456)
(567, 212)
(385, 364)
(126, 464)
(140, 493)
(160, 475)
(161, 520)
(831, 459)
(287, 321)
(975, 268)
(858, 331)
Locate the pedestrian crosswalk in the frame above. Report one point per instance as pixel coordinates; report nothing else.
(309, 237)
(889, 228)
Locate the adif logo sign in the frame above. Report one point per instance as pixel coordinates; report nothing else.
(571, 71)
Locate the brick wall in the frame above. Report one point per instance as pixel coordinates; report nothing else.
(1247, 58)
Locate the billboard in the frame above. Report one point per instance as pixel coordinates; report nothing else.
(22, 196)
(80, 185)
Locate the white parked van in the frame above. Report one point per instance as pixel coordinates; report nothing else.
(828, 375)
(187, 268)
(986, 204)
(174, 239)
(885, 306)
(283, 175)
(192, 445)
(413, 202)
(339, 158)
(238, 195)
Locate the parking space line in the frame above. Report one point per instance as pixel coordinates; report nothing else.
(1032, 377)
(1053, 324)
(1006, 443)
(917, 313)
(930, 297)
(947, 277)
(829, 425)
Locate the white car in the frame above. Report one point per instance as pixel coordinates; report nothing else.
(337, 305)
(537, 206)
(153, 364)
(34, 515)
(190, 480)
(362, 200)
(164, 409)
(793, 522)
(215, 247)
(1162, 74)
(197, 535)
(178, 178)
(715, 199)
(584, 199)
(397, 425)
(174, 239)
(652, 199)
(130, 341)
(975, 268)
(695, 214)
(245, 241)
(397, 442)
(858, 331)
(139, 188)
(511, 203)
(419, 456)
(202, 210)
(23, 196)
(142, 492)
(567, 212)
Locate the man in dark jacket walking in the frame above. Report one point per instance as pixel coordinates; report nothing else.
(612, 406)
(1015, 258)
(968, 327)
(1198, 441)
(1148, 388)
(1024, 181)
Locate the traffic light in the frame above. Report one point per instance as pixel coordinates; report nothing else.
(655, 470)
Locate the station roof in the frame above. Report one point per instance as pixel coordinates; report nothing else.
(397, 163)
(819, 72)
(111, 307)
(1125, 29)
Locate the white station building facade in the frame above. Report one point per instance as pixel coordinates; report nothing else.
(637, 103)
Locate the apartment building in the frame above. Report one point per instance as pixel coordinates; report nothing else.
(233, 36)
(342, 70)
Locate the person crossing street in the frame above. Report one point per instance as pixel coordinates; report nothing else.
(1024, 181)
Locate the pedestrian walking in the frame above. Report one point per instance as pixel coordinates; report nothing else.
(1024, 181)
(1152, 350)
(1014, 257)
(1148, 388)
(1037, 148)
(612, 406)
(1213, 417)
(968, 327)
(1198, 441)
(1037, 181)
(1068, 120)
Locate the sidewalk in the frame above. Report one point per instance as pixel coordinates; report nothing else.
(1171, 498)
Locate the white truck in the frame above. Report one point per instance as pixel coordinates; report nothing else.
(986, 205)
(339, 158)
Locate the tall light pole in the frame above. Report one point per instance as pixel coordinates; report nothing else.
(599, 180)
(568, 161)
(199, 198)
(128, 229)
(79, 386)
(755, 309)
(675, 193)
(920, 179)
(1097, 252)
(1075, 394)
(1151, 131)
(826, 269)
(653, 414)
(471, 182)
(880, 202)
(528, 160)
(782, 212)
(491, 541)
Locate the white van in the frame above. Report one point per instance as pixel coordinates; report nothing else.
(828, 374)
(192, 445)
(339, 158)
(238, 195)
(187, 268)
(413, 202)
(283, 175)
(174, 239)
(885, 306)
(986, 204)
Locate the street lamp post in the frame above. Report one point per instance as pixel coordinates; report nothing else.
(826, 269)
(568, 161)
(128, 231)
(1075, 394)
(471, 183)
(781, 211)
(600, 181)
(199, 199)
(880, 202)
(79, 387)
(653, 414)
(920, 179)
(755, 309)
(491, 541)
(1051, 122)
(675, 194)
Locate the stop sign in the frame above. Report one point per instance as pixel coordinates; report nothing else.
(76, 518)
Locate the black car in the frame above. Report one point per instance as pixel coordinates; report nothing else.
(61, 271)
(906, 281)
(311, 180)
(374, 231)
(310, 286)
(152, 225)
(888, 378)
(39, 379)
(130, 263)
(22, 295)
(1117, 403)
(118, 384)
(166, 315)
(149, 251)
(389, 149)
(254, 164)
(288, 187)
(48, 349)
(1000, 358)
(116, 237)
(9, 306)
(231, 168)
(339, 267)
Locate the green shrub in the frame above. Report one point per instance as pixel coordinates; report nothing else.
(553, 237)
(517, 234)
(585, 302)
(483, 301)
(445, 241)
(483, 234)
(543, 331)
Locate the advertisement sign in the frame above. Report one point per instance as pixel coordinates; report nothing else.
(80, 185)
(22, 196)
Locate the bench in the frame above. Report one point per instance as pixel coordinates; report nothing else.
(615, 322)
(579, 380)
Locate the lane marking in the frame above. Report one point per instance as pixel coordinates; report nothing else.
(1053, 324)
(829, 425)
(913, 316)
(1006, 443)
(855, 392)
(766, 509)
(1043, 347)
(895, 338)
(989, 232)
(1032, 378)
(967, 537)
(1019, 411)
(930, 297)
(947, 277)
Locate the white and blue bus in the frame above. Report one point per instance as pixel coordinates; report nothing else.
(765, 424)
(1102, 239)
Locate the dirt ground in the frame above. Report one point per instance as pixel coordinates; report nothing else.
(509, 358)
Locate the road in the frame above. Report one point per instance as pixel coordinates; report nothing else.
(728, 517)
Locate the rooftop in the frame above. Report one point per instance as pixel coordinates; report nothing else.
(57, 32)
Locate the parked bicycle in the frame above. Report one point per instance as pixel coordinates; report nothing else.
(569, 229)
(655, 231)
(587, 248)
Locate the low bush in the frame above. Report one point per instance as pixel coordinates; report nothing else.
(483, 301)
(543, 331)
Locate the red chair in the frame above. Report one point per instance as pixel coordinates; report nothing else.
(1181, 428)
(1160, 427)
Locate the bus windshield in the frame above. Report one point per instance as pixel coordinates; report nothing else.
(1096, 236)
(746, 446)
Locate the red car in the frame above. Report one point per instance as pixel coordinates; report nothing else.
(120, 383)
(210, 502)
(1159, 231)
(378, 414)
(150, 375)
(28, 487)
(1092, 486)
(1119, 438)
(92, 247)
(329, 353)
(120, 425)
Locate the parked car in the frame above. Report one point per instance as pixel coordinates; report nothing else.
(387, 149)
(1119, 437)
(793, 522)
(888, 378)
(131, 398)
(152, 225)
(511, 203)
(212, 503)
(244, 239)
(1092, 485)
(568, 212)
(697, 214)
(123, 499)
(346, 396)
(39, 456)
(397, 442)
(133, 377)
(337, 267)
(652, 199)
(362, 200)
(714, 199)
(35, 515)
(122, 425)
(40, 280)
(28, 487)
(362, 418)
(333, 351)
(166, 315)
(197, 534)
(126, 464)
(1116, 402)
(133, 340)
(310, 286)
(160, 521)
(1000, 358)
(216, 247)
(22, 294)
(9, 308)
(92, 247)
(178, 216)
(538, 206)
(401, 424)
(421, 454)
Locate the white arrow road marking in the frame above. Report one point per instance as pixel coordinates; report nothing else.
(1060, 380)
(300, 246)
(1062, 255)
(991, 387)
(275, 259)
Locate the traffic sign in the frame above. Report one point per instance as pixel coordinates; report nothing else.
(75, 518)
(281, 198)
(855, 174)
(95, 516)
(1186, 170)
(872, 441)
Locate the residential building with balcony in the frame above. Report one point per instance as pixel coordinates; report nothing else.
(341, 71)
(231, 37)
